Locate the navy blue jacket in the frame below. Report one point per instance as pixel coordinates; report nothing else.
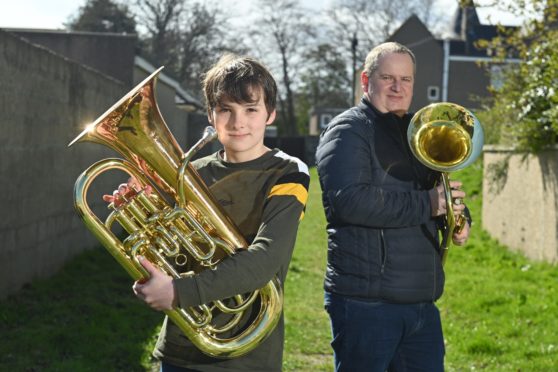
(383, 244)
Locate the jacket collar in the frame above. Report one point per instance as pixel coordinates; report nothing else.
(373, 113)
(369, 108)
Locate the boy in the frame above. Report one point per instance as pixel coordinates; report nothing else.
(264, 191)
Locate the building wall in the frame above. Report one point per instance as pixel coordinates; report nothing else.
(520, 210)
(111, 54)
(429, 57)
(45, 101)
(467, 82)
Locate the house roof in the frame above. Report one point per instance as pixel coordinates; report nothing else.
(413, 22)
(182, 98)
(468, 30)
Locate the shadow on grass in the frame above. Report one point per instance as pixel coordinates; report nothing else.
(85, 318)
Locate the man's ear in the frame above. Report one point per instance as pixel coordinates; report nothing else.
(364, 81)
(271, 117)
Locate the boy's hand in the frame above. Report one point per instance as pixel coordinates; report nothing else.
(125, 191)
(158, 290)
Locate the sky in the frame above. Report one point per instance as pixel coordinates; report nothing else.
(52, 14)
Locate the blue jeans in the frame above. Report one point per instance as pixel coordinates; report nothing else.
(379, 336)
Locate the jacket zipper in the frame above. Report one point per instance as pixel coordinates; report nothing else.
(383, 251)
(435, 275)
(411, 158)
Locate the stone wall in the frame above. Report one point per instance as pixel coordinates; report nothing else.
(45, 100)
(520, 207)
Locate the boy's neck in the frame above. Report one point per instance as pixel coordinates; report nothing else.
(241, 157)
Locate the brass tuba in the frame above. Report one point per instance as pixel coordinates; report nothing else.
(181, 240)
(446, 137)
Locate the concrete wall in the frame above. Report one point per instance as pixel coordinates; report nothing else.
(521, 210)
(112, 54)
(45, 100)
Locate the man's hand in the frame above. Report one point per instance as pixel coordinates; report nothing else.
(158, 290)
(438, 199)
(461, 238)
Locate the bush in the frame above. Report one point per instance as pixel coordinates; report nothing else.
(526, 104)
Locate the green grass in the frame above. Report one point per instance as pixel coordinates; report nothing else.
(499, 309)
(85, 318)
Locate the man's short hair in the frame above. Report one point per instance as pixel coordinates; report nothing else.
(372, 61)
(236, 78)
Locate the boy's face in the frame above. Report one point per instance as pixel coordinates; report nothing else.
(241, 127)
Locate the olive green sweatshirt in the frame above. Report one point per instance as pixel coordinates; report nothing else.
(265, 198)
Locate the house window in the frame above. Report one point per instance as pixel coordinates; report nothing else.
(325, 119)
(496, 76)
(433, 93)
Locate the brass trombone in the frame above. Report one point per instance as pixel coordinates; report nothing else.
(446, 137)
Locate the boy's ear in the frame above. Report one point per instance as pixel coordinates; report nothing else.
(271, 117)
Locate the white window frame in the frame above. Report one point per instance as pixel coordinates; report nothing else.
(435, 90)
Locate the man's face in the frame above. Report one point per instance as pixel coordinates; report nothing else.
(390, 88)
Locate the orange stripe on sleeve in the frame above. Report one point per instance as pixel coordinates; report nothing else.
(294, 189)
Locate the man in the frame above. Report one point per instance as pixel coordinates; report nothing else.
(384, 269)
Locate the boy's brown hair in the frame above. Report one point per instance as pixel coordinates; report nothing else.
(236, 78)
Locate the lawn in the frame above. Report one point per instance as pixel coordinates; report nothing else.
(499, 309)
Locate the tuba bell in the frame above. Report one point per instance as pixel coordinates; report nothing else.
(446, 137)
(193, 235)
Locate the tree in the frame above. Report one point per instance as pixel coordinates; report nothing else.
(529, 94)
(184, 35)
(103, 16)
(161, 20)
(324, 79)
(374, 21)
(323, 82)
(204, 35)
(284, 23)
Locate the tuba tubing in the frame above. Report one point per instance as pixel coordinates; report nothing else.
(135, 128)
